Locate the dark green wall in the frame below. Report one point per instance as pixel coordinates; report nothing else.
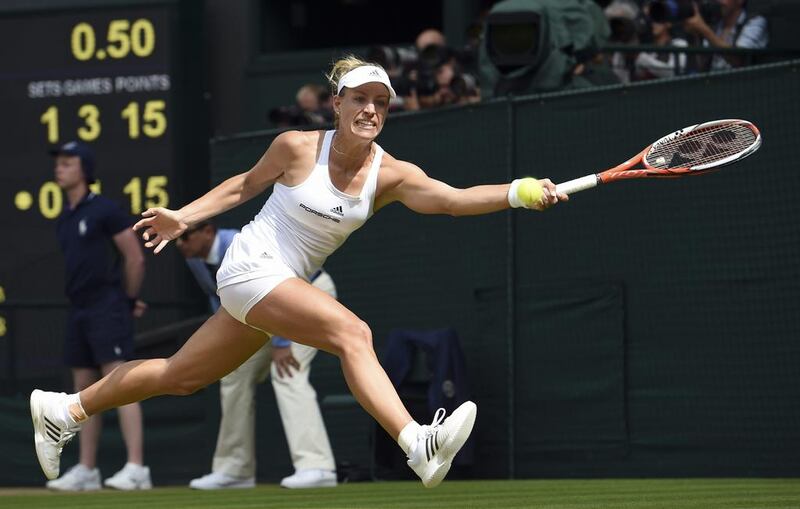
(644, 328)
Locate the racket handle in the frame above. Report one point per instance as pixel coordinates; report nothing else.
(579, 184)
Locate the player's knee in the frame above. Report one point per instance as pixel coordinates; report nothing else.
(175, 383)
(355, 337)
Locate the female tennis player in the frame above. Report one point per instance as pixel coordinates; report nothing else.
(326, 185)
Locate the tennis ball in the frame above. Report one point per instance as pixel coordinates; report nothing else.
(529, 192)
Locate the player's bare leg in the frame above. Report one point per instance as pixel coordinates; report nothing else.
(297, 310)
(216, 349)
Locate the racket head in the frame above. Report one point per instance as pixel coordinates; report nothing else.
(702, 147)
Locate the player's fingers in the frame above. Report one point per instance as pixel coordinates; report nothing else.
(549, 194)
(549, 197)
(142, 223)
(152, 240)
(150, 212)
(160, 246)
(149, 233)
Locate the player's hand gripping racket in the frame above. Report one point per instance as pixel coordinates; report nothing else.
(693, 150)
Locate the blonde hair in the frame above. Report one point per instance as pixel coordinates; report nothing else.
(339, 69)
(342, 67)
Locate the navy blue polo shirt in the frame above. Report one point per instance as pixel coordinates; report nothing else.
(91, 258)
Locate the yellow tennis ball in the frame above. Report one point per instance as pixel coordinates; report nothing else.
(529, 191)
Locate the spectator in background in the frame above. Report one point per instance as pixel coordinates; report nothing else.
(624, 18)
(661, 65)
(438, 77)
(734, 30)
(430, 37)
(234, 463)
(312, 107)
(596, 68)
(314, 101)
(103, 303)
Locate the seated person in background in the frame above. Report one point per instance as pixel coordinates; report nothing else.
(314, 101)
(234, 462)
(624, 20)
(439, 77)
(661, 65)
(734, 30)
(312, 107)
(430, 37)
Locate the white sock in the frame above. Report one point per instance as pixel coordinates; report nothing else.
(408, 436)
(74, 399)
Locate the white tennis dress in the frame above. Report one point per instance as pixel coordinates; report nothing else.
(293, 234)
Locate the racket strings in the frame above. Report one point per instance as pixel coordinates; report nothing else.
(705, 145)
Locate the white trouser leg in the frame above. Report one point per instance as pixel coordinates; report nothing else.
(235, 452)
(301, 416)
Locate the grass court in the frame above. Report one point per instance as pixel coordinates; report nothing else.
(540, 494)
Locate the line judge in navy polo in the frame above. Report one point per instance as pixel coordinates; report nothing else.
(104, 269)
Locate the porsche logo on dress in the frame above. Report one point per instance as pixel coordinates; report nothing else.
(320, 214)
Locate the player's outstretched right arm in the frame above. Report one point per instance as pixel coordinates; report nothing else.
(161, 225)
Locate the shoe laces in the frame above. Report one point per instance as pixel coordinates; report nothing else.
(427, 430)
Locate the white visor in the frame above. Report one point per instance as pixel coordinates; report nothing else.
(365, 74)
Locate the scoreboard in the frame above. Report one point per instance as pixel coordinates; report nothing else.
(123, 77)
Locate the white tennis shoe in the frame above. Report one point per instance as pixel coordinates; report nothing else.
(131, 477)
(77, 478)
(220, 481)
(51, 431)
(310, 478)
(438, 443)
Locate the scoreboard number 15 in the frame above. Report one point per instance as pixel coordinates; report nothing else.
(150, 120)
(142, 194)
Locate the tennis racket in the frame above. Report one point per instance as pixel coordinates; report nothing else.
(691, 151)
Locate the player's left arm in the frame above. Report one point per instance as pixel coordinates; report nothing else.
(408, 184)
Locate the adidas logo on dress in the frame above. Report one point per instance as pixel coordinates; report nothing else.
(338, 210)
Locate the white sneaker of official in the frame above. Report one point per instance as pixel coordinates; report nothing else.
(131, 477)
(52, 428)
(77, 478)
(437, 444)
(310, 478)
(220, 481)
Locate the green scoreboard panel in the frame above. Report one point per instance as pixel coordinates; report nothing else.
(122, 77)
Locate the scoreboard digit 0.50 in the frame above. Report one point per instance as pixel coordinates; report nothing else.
(119, 76)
